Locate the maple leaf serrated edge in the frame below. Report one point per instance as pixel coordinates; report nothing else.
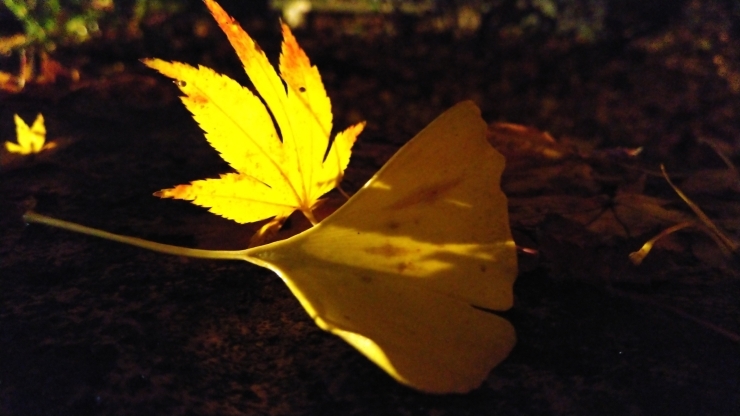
(302, 111)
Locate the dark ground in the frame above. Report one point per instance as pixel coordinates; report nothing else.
(94, 327)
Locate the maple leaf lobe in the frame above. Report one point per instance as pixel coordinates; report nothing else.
(273, 177)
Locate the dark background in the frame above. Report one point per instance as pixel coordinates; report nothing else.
(94, 327)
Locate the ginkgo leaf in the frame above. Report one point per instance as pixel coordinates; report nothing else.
(412, 268)
(273, 177)
(401, 270)
(30, 139)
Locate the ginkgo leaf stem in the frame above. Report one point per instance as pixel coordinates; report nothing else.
(32, 217)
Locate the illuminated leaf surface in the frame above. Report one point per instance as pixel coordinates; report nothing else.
(396, 272)
(276, 173)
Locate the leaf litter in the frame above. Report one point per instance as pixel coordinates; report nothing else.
(588, 211)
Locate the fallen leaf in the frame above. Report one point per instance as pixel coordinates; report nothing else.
(525, 145)
(398, 270)
(413, 268)
(32, 139)
(273, 177)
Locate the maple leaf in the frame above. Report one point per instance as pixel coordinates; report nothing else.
(273, 177)
(32, 139)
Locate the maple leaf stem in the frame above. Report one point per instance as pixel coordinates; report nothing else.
(32, 217)
(309, 214)
(341, 191)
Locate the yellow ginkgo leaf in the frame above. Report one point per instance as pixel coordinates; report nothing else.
(30, 139)
(273, 177)
(399, 270)
(410, 270)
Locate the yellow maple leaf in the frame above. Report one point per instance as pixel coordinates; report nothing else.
(30, 139)
(273, 177)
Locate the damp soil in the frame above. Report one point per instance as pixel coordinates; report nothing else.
(94, 327)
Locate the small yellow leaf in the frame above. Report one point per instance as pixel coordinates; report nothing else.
(276, 173)
(30, 139)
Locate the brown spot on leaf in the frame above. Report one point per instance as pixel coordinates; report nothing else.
(393, 225)
(387, 250)
(198, 99)
(427, 195)
(366, 279)
(401, 267)
(483, 268)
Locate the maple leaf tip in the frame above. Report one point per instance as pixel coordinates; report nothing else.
(287, 33)
(165, 193)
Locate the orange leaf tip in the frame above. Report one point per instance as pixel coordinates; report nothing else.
(279, 165)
